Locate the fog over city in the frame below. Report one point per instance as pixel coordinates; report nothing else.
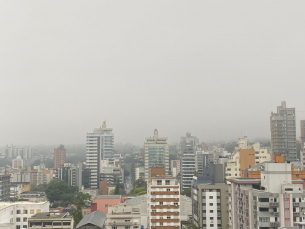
(214, 68)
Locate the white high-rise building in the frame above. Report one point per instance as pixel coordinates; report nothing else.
(156, 154)
(99, 146)
(188, 145)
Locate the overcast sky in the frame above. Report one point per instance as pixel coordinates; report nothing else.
(214, 68)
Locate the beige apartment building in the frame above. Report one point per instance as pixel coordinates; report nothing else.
(163, 201)
(123, 216)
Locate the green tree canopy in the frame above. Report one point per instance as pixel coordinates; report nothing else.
(59, 191)
(187, 192)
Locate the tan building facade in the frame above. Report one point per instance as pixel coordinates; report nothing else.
(163, 202)
(59, 156)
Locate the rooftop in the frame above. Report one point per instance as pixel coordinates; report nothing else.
(108, 197)
(48, 215)
(96, 218)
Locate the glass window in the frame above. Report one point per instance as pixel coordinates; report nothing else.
(18, 211)
(25, 219)
(167, 182)
(18, 219)
(159, 182)
(32, 211)
(25, 211)
(38, 211)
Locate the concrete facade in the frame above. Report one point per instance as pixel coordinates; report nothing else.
(210, 209)
(273, 201)
(283, 133)
(123, 216)
(18, 213)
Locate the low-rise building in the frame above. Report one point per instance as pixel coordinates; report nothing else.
(94, 220)
(17, 213)
(103, 202)
(123, 216)
(51, 220)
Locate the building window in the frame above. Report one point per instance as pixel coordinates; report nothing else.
(168, 189)
(168, 217)
(32, 211)
(167, 182)
(18, 212)
(135, 227)
(127, 220)
(106, 205)
(127, 227)
(211, 211)
(161, 223)
(210, 197)
(114, 227)
(18, 227)
(25, 219)
(211, 204)
(211, 225)
(18, 219)
(38, 211)
(159, 182)
(25, 211)
(161, 203)
(176, 204)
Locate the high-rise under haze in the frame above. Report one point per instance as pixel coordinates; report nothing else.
(59, 156)
(302, 134)
(156, 154)
(283, 133)
(188, 146)
(99, 146)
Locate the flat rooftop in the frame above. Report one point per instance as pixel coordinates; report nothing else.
(48, 215)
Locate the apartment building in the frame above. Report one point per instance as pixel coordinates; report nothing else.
(245, 158)
(71, 173)
(283, 133)
(99, 146)
(5, 185)
(156, 154)
(18, 213)
(302, 122)
(123, 216)
(163, 201)
(103, 202)
(210, 209)
(59, 156)
(51, 220)
(273, 201)
(17, 163)
(188, 146)
(112, 172)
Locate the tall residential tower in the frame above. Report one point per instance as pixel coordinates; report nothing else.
(283, 133)
(99, 146)
(59, 156)
(156, 154)
(188, 145)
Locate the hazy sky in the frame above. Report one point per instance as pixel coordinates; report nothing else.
(214, 68)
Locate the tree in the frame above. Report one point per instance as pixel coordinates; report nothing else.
(119, 189)
(193, 226)
(139, 183)
(58, 190)
(80, 201)
(187, 192)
